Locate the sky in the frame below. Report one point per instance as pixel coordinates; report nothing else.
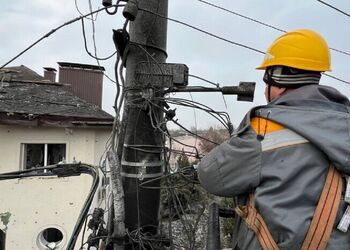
(23, 22)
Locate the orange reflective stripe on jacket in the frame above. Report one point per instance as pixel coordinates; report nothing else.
(262, 126)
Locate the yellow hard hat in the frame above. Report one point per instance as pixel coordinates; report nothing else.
(301, 49)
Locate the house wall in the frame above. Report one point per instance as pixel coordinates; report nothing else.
(30, 205)
(83, 144)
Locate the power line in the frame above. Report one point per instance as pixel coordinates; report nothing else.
(204, 31)
(53, 31)
(335, 8)
(86, 48)
(336, 78)
(204, 80)
(243, 16)
(260, 22)
(224, 39)
(78, 9)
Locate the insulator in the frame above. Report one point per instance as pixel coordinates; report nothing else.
(130, 10)
(107, 3)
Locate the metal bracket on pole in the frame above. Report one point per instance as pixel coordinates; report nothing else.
(141, 170)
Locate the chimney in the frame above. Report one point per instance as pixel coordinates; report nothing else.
(50, 74)
(83, 80)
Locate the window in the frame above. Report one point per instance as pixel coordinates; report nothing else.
(38, 155)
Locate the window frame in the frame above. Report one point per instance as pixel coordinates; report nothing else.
(23, 156)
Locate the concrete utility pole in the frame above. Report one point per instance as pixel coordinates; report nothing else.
(142, 158)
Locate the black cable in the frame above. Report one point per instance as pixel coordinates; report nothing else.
(204, 80)
(184, 144)
(336, 78)
(179, 152)
(53, 31)
(78, 10)
(194, 134)
(166, 187)
(223, 39)
(93, 32)
(215, 114)
(243, 16)
(331, 6)
(63, 170)
(92, 238)
(188, 103)
(262, 23)
(84, 229)
(176, 202)
(205, 32)
(83, 213)
(114, 11)
(86, 48)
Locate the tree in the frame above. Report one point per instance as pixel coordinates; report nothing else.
(183, 160)
(218, 135)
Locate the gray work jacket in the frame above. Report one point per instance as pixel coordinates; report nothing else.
(286, 170)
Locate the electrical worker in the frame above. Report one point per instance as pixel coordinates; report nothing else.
(285, 164)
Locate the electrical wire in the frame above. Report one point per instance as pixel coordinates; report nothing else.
(336, 78)
(87, 50)
(187, 130)
(240, 15)
(260, 22)
(93, 32)
(194, 134)
(222, 117)
(195, 121)
(204, 31)
(78, 9)
(205, 80)
(331, 6)
(156, 123)
(53, 31)
(221, 38)
(64, 170)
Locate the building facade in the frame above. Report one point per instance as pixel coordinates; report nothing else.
(42, 123)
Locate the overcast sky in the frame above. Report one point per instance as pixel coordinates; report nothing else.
(23, 22)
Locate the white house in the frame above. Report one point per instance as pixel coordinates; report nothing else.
(43, 123)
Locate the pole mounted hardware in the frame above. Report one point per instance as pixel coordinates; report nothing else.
(244, 91)
(108, 3)
(130, 10)
(161, 75)
(213, 234)
(174, 77)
